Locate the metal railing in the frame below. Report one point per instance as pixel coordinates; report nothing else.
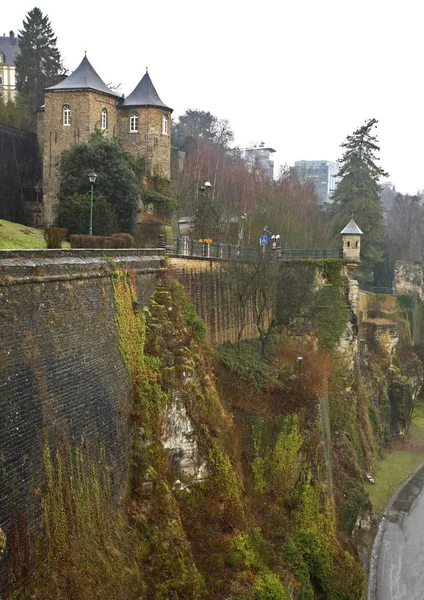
(367, 287)
(217, 250)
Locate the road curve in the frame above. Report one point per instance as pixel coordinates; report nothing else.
(397, 561)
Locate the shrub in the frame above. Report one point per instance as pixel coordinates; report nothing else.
(54, 236)
(97, 241)
(269, 587)
(129, 240)
(74, 214)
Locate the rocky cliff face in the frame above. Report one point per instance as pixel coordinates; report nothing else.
(409, 279)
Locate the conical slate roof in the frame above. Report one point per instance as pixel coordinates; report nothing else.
(352, 229)
(83, 78)
(145, 95)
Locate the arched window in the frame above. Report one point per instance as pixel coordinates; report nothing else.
(134, 121)
(66, 114)
(104, 119)
(165, 124)
(357, 244)
(348, 244)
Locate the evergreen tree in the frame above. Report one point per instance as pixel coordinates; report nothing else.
(358, 195)
(38, 64)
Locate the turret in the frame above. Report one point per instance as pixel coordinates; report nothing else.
(73, 110)
(145, 127)
(352, 242)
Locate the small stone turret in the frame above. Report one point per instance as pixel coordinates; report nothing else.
(352, 242)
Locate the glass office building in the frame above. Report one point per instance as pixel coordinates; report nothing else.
(323, 173)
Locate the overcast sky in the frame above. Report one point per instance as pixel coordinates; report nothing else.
(299, 76)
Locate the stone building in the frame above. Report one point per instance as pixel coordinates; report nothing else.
(77, 106)
(9, 47)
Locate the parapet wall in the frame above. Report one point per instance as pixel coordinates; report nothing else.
(62, 377)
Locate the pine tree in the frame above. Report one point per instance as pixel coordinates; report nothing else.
(358, 194)
(38, 64)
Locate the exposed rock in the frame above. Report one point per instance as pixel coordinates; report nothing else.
(2, 543)
(409, 279)
(179, 439)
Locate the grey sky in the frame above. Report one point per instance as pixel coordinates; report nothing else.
(299, 76)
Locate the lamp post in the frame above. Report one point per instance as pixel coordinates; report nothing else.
(275, 243)
(203, 189)
(92, 178)
(242, 218)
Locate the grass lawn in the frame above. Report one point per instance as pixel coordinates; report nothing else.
(14, 236)
(397, 464)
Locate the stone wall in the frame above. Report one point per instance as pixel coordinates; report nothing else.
(62, 376)
(207, 285)
(148, 141)
(19, 172)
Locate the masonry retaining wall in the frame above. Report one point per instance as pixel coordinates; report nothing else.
(207, 284)
(62, 376)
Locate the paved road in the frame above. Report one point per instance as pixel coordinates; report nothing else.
(398, 570)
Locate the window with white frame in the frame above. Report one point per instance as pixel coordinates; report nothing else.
(66, 114)
(134, 121)
(165, 124)
(104, 119)
(1, 57)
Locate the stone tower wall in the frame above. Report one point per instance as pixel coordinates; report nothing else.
(148, 141)
(86, 109)
(352, 247)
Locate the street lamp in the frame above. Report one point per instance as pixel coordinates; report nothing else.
(92, 178)
(275, 244)
(204, 189)
(242, 218)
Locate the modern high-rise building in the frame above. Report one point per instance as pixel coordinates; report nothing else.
(322, 173)
(9, 47)
(260, 156)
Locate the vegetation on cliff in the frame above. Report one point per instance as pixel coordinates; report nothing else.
(246, 469)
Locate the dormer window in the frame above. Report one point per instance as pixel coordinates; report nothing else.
(66, 114)
(134, 121)
(1, 57)
(103, 120)
(165, 124)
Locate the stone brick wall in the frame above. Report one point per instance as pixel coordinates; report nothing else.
(62, 376)
(85, 117)
(19, 172)
(207, 285)
(148, 141)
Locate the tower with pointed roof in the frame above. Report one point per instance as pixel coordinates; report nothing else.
(82, 103)
(144, 127)
(352, 242)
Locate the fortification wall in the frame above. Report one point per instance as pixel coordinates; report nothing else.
(207, 285)
(62, 376)
(20, 171)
